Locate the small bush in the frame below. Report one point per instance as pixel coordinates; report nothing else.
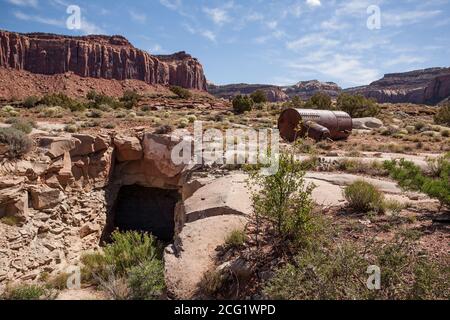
(320, 101)
(31, 102)
(17, 142)
(192, 118)
(51, 112)
(130, 266)
(10, 221)
(130, 249)
(357, 106)
(71, 128)
(410, 176)
(242, 104)
(24, 126)
(94, 113)
(259, 96)
(182, 93)
(62, 100)
(25, 292)
(393, 206)
(364, 197)
(235, 239)
(183, 123)
(443, 115)
(146, 281)
(285, 200)
(130, 99)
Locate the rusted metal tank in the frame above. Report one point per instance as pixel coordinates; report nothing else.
(317, 124)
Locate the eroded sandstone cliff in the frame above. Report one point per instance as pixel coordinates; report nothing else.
(428, 86)
(108, 57)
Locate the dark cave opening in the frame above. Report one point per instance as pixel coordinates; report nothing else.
(145, 209)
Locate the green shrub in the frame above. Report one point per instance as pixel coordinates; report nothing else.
(242, 104)
(130, 99)
(61, 100)
(10, 221)
(10, 111)
(51, 112)
(338, 272)
(130, 265)
(130, 249)
(357, 106)
(31, 102)
(25, 292)
(102, 102)
(94, 113)
(71, 128)
(24, 126)
(410, 176)
(182, 93)
(146, 281)
(183, 123)
(285, 200)
(259, 96)
(192, 118)
(443, 115)
(235, 239)
(17, 142)
(320, 101)
(364, 197)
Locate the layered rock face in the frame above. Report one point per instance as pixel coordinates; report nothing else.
(61, 196)
(303, 89)
(306, 89)
(428, 86)
(97, 57)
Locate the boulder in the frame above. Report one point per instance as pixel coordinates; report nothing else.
(86, 144)
(223, 196)
(366, 123)
(14, 202)
(45, 197)
(158, 150)
(128, 148)
(56, 146)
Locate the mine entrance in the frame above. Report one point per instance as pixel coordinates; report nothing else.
(149, 210)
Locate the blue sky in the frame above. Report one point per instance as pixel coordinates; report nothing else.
(262, 41)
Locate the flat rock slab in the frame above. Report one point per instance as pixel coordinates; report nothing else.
(345, 179)
(199, 242)
(326, 193)
(225, 195)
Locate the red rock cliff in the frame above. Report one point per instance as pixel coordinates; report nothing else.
(108, 57)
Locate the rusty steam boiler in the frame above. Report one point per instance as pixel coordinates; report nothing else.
(317, 124)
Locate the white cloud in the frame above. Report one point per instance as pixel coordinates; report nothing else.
(48, 21)
(399, 19)
(404, 60)
(157, 48)
(88, 27)
(254, 16)
(272, 24)
(138, 17)
(311, 40)
(347, 69)
(208, 34)
(218, 15)
(24, 3)
(313, 3)
(171, 4)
